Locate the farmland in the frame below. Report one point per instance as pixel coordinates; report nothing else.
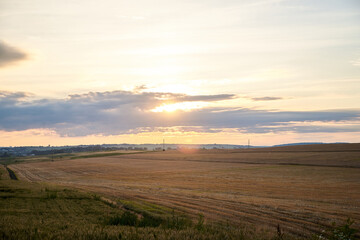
(47, 211)
(303, 189)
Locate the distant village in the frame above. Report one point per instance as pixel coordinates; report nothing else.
(46, 150)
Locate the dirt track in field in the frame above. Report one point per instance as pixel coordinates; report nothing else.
(301, 187)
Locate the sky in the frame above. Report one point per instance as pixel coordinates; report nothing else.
(199, 71)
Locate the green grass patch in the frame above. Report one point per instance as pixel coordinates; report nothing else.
(39, 158)
(60, 156)
(126, 219)
(148, 208)
(129, 218)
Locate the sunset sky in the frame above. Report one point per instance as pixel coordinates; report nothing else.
(199, 71)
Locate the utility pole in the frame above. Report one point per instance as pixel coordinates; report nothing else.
(163, 144)
(52, 154)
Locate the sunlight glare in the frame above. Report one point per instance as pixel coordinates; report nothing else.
(184, 106)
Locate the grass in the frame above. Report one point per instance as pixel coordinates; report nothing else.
(38, 209)
(143, 207)
(154, 215)
(40, 158)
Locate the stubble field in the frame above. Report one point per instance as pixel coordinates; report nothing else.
(302, 188)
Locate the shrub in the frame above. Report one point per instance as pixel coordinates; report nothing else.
(126, 219)
(96, 197)
(150, 221)
(343, 232)
(200, 224)
(176, 222)
(51, 195)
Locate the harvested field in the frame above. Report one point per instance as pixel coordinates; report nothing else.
(302, 188)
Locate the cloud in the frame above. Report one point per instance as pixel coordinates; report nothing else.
(205, 98)
(10, 55)
(121, 112)
(355, 62)
(266, 98)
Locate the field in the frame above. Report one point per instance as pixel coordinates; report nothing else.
(47, 211)
(303, 189)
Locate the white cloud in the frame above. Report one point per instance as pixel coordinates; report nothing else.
(355, 62)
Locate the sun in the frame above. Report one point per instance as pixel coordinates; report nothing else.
(183, 106)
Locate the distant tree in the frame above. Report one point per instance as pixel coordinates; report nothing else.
(5, 155)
